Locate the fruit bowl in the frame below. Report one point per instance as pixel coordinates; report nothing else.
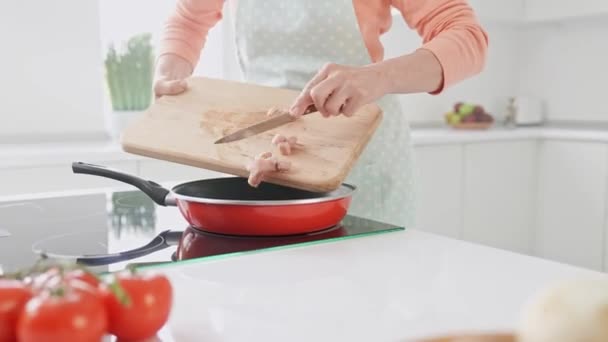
(473, 125)
(489, 337)
(469, 116)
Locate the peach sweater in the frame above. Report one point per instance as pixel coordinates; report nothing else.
(448, 28)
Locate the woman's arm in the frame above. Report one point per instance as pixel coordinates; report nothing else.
(417, 72)
(186, 29)
(451, 32)
(454, 48)
(181, 43)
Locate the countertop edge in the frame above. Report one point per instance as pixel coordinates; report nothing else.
(26, 155)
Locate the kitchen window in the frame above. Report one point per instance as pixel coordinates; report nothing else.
(57, 88)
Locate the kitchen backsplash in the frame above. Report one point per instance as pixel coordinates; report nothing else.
(561, 63)
(490, 89)
(565, 64)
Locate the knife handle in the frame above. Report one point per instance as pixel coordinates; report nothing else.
(276, 111)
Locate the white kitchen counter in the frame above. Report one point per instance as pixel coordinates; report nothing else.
(388, 287)
(104, 151)
(445, 135)
(25, 155)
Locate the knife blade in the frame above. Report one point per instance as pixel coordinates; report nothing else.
(262, 126)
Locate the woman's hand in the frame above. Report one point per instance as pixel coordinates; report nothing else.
(170, 75)
(343, 89)
(338, 89)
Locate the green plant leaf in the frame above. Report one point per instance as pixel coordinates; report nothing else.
(129, 74)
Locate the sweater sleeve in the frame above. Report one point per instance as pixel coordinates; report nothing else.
(451, 31)
(185, 32)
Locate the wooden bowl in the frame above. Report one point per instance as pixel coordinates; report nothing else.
(496, 337)
(473, 125)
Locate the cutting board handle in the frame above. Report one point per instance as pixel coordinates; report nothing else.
(154, 190)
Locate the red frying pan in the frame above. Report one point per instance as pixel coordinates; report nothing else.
(231, 206)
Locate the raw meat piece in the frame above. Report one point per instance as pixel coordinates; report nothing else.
(285, 144)
(262, 165)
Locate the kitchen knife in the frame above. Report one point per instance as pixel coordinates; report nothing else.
(263, 126)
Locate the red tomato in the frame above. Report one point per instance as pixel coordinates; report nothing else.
(49, 278)
(54, 276)
(13, 297)
(83, 276)
(147, 309)
(77, 314)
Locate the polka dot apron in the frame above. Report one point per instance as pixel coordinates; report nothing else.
(283, 43)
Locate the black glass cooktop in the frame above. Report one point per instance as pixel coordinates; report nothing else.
(110, 230)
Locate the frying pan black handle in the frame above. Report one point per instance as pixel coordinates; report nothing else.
(156, 192)
(160, 242)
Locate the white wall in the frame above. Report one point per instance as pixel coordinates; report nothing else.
(122, 18)
(50, 68)
(52, 56)
(565, 64)
(56, 89)
(491, 88)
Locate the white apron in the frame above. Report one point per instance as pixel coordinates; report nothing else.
(283, 43)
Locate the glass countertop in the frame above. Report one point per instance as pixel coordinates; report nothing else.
(112, 221)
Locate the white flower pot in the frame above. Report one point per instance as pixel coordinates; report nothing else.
(117, 121)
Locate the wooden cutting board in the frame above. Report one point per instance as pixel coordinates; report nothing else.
(183, 129)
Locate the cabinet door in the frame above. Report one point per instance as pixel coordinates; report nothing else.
(551, 10)
(498, 10)
(500, 194)
(493, 10)
(439, 189)
(51, 178)
(164, 171)
(572, 202)
(605, 251)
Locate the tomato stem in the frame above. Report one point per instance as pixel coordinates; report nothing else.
(120, 293)
(132, 269)
(58, 291)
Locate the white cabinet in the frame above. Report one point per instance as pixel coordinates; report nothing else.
(50, 178)
(439, 189)
(552, 10)
(508, 11)
(499, 194)
(572, 202)
(533, 11)
(164, 171)
(605, 261)
(498, 10)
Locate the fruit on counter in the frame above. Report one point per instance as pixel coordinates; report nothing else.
(469, 118)
(468, 113)
(447, 116)
(466, 109)
(478, 110)
(67, 302)
(484, 117)
(569, 311)
(457, 106)
(453, 118)
(146, 310)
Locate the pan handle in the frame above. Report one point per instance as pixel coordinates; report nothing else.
(154, 190)
(160, 242)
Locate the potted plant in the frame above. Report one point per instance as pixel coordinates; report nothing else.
(129, 77)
